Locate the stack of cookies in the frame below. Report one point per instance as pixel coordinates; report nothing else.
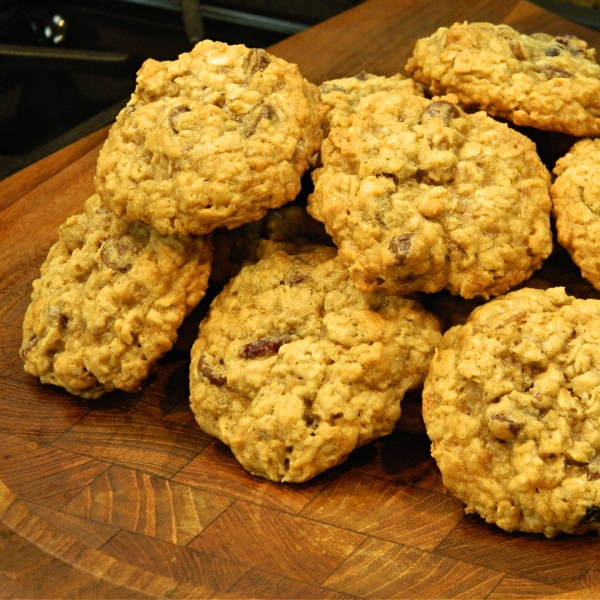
(512, 398)
(346, 228)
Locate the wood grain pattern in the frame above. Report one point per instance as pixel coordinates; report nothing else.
(128, 438)
(125, 497)
(522, 554)
(380, 569)
(151, 506)
(389, 511)
(177, 562)
(276, 541)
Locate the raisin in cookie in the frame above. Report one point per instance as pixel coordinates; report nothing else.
(542, 81)
(420, 196)
(109, 301)
(294, 367)
(576, 206)
(212, 139)
(512, 406)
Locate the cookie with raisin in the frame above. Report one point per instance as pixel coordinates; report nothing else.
(539, 80)
(212, 139)
(420, 196)
(511, 404)
(576, 206)
(294, 367)
(109, 301)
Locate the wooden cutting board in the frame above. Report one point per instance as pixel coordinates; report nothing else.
(126, 497)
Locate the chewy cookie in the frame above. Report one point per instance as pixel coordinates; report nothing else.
(109, 301)
(576, 206)
(541, 81)
(294, 367)
(512, 406)
(420, 196)
(212, 139)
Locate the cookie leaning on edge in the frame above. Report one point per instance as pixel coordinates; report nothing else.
(540, 81)
(109, 301)
(420, 196)
(294, 367)
(214, 138)
(576, 206)
(512, 407)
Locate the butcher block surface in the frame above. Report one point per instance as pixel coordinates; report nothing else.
(125, 497)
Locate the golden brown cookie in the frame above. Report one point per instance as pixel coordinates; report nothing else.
(541, 81)
(576, 206)
(214, 138)
(420, 196)
(512, 407)
(294, 367)
(109, 301)
(343, 96)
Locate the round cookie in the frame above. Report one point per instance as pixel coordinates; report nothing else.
(420, 196)
(541, 81)
(512, 407)
(294, 367)
(109, 301)
(212, 139)
(576, 206)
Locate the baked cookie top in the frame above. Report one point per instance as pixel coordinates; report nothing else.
(576, 206)
(211, 139)
(512, 406)
(420, 196)
(109, 301)
(294, 367)
(343, 96)
(537, 80)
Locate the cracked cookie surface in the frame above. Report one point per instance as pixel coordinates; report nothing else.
(109, 301)
(420, 196)
(576, 206)
(214, 138)
(512, 407)
(537, 80)
(294, 367)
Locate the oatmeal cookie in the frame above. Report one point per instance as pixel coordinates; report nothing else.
(420, 196)
(294, 367)
(212, 139)
(109, 301)
(576, 206)
(538, 80)
(512, 406)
